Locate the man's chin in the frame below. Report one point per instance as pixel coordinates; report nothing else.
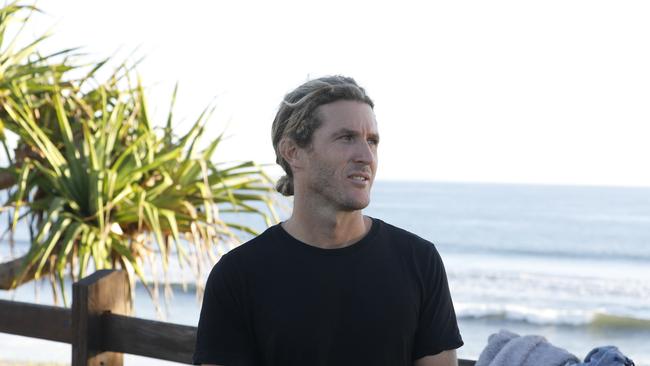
(352, 206)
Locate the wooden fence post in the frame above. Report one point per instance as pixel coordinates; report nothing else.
(103, 291)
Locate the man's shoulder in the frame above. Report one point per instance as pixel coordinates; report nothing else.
(403, 236)
(256, 246)
(249, 255)
(407, 243)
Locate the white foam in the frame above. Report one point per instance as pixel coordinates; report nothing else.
(533, 315)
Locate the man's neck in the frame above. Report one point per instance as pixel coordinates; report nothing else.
(327, 230)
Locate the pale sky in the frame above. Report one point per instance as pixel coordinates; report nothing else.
(489, 91)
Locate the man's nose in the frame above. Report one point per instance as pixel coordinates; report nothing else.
(365, 153)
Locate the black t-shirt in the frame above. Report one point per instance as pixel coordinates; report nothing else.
(276, 301)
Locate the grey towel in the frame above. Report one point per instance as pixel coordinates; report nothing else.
(509, 349)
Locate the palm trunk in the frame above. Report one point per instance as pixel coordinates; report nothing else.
(9, 272)
(7, 180)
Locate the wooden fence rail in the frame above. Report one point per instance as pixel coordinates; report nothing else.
(98, 326)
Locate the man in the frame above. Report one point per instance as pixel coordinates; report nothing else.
(329, 286)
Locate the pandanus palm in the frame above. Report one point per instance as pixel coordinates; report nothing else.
(97, 184)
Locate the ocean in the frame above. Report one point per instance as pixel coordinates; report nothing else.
(570, 263)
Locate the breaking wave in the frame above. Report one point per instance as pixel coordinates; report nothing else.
(546, 316)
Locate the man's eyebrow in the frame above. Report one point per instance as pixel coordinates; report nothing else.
(347, 131)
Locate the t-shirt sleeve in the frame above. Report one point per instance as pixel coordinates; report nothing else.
(223, 336)
(437, 328)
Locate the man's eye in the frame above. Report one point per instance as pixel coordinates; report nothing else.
(373, 141)
(347, 137)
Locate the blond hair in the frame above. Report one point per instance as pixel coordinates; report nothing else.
(296, 118)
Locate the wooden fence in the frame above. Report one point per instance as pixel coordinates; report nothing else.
(98, 325)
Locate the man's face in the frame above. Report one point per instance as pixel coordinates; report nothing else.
(341, 162)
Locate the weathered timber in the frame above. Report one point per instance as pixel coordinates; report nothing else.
(165, 341)
(36, 321)
(103, 291)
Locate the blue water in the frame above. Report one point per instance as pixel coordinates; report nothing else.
(567, 262)
(579, 222)
(570, 263)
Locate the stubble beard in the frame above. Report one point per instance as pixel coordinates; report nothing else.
(331, 194)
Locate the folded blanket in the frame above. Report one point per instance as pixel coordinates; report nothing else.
(509, 349)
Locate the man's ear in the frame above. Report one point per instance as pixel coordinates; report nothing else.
(291, 153)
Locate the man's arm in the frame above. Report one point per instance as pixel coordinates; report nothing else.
(444, 358)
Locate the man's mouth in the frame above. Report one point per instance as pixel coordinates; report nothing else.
(359, 177)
